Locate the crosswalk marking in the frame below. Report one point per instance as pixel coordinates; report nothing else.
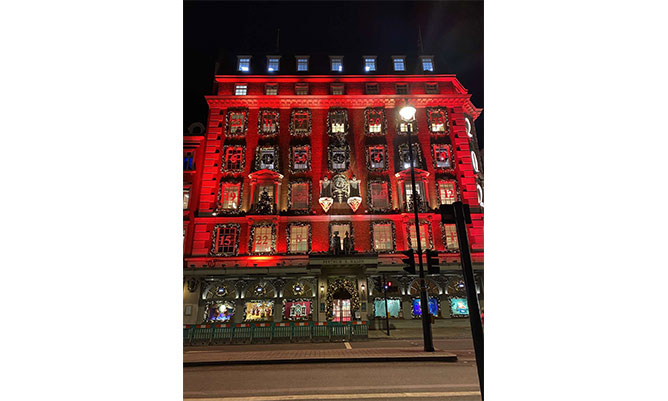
(347, 344)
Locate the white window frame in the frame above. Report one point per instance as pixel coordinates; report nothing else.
(403, 63)
(333, 60)
(271, 60)
(390, 240)
(273, 86)
(293, 240)
(369, 63)
(239, 88)
(302, 58)
(401, 85)
(244, 60)
(430, 59)
(301, 85)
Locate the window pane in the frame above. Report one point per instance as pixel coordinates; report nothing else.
(369, 64)
(377, 157)
(302, 64)
(186, 198)
(299, 196)
(442, 156)
(342, 230)
(427, 64)
(240, 90)
(227, 240)
(382, 237)
(298, 238)
(379, 195)
(237, 121)
(424, 236)
(233, 158)
(398, 64)
(450, 237)
(230, 196)
(446, 192)
(262, 240)
(244, 64)
(273, 64)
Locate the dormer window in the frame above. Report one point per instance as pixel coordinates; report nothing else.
(272, 63)
(301, 89)
(431, 88)
(398, 62)
(337, 89)
(271, 89)
(372, 89)
(336, 63)
(369, 63)
(243, 63)
(240, 89)
(427, 63)
(401, 89)
(302, 63)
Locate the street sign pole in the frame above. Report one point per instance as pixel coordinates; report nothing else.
(387, 312)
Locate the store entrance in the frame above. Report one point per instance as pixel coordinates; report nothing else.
(341, 305)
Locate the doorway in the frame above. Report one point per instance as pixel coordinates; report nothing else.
(341, 306)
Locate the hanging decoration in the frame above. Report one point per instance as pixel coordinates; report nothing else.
(225, 237)
(325, 198)
(377, 190)
(268, 122)
(354, 195)
(266, 157)
(374, 121)
(308, 238)
(338, 153)
(442, 156)
(300, 122)
(233, 159)
(376, 158)
(437, 120)
(350, 287)
(236, 122)
(300, 159)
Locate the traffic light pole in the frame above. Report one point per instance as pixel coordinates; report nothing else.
(471, 293)
(387, 312)
(426, 321)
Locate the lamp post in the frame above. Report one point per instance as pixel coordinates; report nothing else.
(408, 115)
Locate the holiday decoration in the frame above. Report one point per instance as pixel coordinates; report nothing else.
(337, 122)
(393, 306)
(236, 122)
(459, 307)
(341, 227)
(374, 121)
(450, 238)
(379, 196)
(225, 241)
(405, 157)
(219, 312)
(350, 287)
(259, 310)
(266, 157)
(434, 304)
(308, 238)
(233, 159)
(302, 197)
(340, 188)
(300, 159)
(229, 202)
(409, 238)
(376, 158)
(354, 195)
(338, 156)
(442, 156)
(262, 241)
(300, 122)
(375, 237)
(325, 198)
(267, 122)
(297, 309)
(437, 119)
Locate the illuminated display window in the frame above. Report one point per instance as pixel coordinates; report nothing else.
(233, 158)
(408, 192)
(337, 89)
(267, 158)
(338, 159)
(474, 161)
(259, 310)
(271, 89)
(369, 63)
(459, 307)
(377, 157)
(441, 154)
(427, 63)
(302, 63)
(272, 63)
(236, 122)
(342, 229)
(186, 198)
(229, 195)
(299, 238)
(379, 195)
(336, 63)
(296, 309)
(425, 236)
(301, 158)
(374, 119)
(383, 236)
(393, 307)
(301, 89)
(431, 88)
(226, 239)
(447, 193)
(263, 239)
(240, 89)
(220, 312)
(300, 122)
(403, 127)
(401, 89)
(399, 63)
(372, 89)
(243, 63)
(405, 157)
(338, 121)
(416, 310)
(300, 195)
(438, 120)
(262, 188)
(188, 160)
(450, 234)
(268, 121)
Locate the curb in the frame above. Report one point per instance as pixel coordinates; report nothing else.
(435, 358)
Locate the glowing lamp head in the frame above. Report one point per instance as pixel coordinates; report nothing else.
(407, 112)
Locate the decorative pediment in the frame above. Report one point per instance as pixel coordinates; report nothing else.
(265, 175)
(406, 174)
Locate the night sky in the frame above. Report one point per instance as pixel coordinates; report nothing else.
(218, 31)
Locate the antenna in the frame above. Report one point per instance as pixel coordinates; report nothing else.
(420, 39)
(278, 36)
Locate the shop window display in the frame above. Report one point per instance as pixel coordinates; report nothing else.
(393, 306)
(220, 312)
(459, 307)
(259, 310)
(416, 310)
(296, 309)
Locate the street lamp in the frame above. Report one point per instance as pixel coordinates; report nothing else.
(407, 114)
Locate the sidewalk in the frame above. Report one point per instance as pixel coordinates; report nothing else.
(416, 333)
(221, 357)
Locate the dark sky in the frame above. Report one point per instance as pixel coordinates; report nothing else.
(451, 30)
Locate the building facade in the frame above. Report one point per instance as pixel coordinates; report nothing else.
(297, 193)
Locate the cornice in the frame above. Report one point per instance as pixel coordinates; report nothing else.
(345, 101)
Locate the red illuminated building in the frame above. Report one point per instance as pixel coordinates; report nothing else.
(289, 156)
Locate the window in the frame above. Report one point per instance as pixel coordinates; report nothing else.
(189, 160)
(240, 89)
(379, 195)
(377, 157)
(474, 161)
(401, 89)
(267, 158)
(299, 196)
(425, 238)
(262, 188)
(302, 63)
(431, 89)
(268, 122)
(437, 119)
(338, 121)
(375, 120)
(342, 229)
(408, 191)
(229, 196)
(441, 156)
(372, 89)
(236, 121)
(369, 63)
(383, 238)
(427, 63)
(336, 63)
(263, 239)
(337, 89)
(186, 198)
(271, 89)
(298, 235)
(446, 192)
(243, 63)
(300, 122)
(233, 158)
(398, 62)
(338, 159)
(301, 89)
(450, 234)
(480, 199)
(226, 239)
(300, 158)
(272, 63)
(405, 157)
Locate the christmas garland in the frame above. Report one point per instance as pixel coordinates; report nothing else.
(348, 286)
(369, 197)
(219, 209)
(309, 238)
(330, 119)
(373, 233)
(258, 155)
(242, 110)
(271, 112)
(252, 237)
(223, 164)
(341, 147)
(308, 161)
(368, 159)
(216, 229)
(293, 130)
(446, 123)
(367, 122)
(308, 208)
(450, 158)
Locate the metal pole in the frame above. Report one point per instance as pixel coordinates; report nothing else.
(471, 294)
(426, 322)
(387, 312)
